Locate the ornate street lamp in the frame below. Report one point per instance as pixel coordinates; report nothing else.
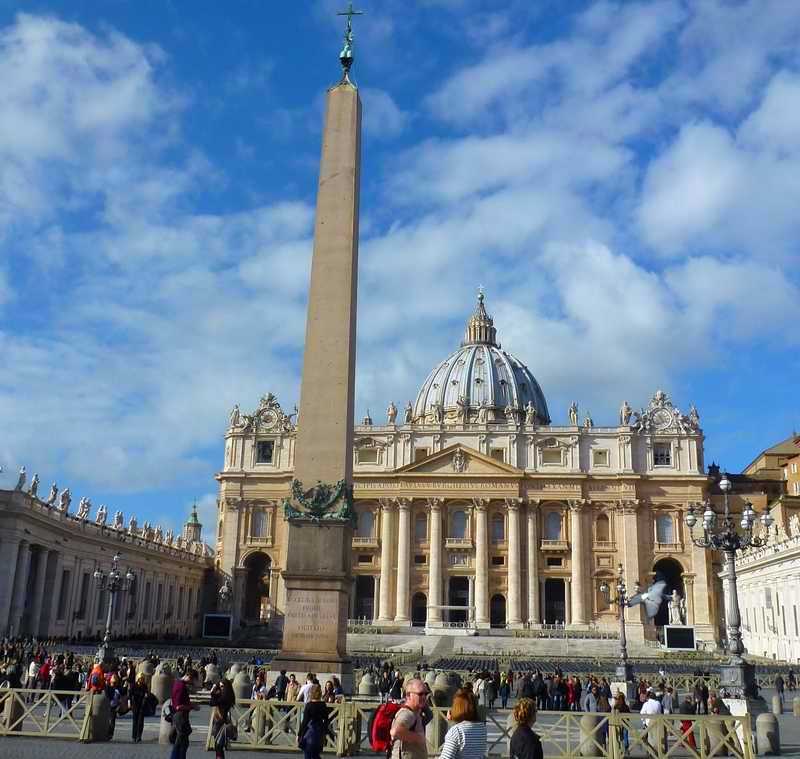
(738, 676)
(114, 582)
(624, 670)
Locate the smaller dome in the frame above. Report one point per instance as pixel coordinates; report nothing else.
(480, 381)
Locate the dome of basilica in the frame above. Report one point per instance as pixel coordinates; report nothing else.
(480, 382)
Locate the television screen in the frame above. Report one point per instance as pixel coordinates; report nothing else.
(217, 626)
(679, 637)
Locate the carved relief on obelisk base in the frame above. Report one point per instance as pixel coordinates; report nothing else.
(320, 509)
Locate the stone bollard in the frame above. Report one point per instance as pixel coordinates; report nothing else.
(367, 685)
(99, 718)
(161, 684)
(796, 706)
(233, 670)
(242, 686)
(12, 710)
(768, 735)
(164, 727)
(777, 706)
(716, 737)
(147, 669)
(212, 674)
(590, 735)
(430, 678)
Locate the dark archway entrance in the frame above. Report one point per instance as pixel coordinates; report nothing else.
(256, 593)
(497, 611)
(671, 572)
(365, 597)
(419, 610)
(458, 595)
(554, 606)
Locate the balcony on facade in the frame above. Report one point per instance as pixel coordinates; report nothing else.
(604, 545)
(365, 541)
(458, 543)
(555, 545)
(667, 547)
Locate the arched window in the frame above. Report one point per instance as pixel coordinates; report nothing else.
(421, 528)
(458, 525)
(498, 528)
(602, 531)
(219, 530)
(258, 524)
(552, 526)
(366, 524)
(665, 532)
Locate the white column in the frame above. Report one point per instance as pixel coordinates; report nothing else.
(385, 611)
(533, 563)
(10, 549)
(403, 560)
(514, 617)
(435, 561)
(481, 562)
(578, 563)
(20, 586)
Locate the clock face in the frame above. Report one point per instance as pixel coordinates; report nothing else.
(662, 419)
(269, 419)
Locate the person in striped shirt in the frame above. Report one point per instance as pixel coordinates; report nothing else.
(466, 739)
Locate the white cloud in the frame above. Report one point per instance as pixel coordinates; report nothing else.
(382, 118)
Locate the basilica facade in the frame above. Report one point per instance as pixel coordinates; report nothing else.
(476, 508)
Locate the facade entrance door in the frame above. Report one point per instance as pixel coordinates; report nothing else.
(497, 611)
(554, 601)
(419, 610)
(365, 597)
(458, 595)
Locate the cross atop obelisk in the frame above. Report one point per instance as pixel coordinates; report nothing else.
(319, 511)
(346, 56)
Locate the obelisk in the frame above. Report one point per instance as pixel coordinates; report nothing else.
(319, 512)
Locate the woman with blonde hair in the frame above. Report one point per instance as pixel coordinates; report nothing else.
(525, 744)
(315, 724)
(466, 739)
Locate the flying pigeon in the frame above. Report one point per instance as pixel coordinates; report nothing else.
(651, 598)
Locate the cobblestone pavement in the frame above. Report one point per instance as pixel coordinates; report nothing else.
(122, 748)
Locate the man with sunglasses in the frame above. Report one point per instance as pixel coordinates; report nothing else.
(408, 729)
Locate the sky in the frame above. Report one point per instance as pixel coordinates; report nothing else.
(621, 177)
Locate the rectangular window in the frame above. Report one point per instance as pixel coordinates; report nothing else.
(794, 612)
(148, 588)
(258, 524)
(420, 558)
(421, 528)
(498, 454)
(84, 597)
(102, 602)
(662, 454)
(796, 487)
(420, 453)
(63, 598)
(554, 561)
(367, 455)
(600, 457)
(551, 456)
(794, 468)
(364, 558)
(180, 602)
(265, 449)
(498, 561)
(159, 594)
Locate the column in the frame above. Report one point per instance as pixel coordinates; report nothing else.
(579, 568)
(403, 560)
(481, 562)
(385, 610)
(38, 592)
(376, 596)
(51, 611)
(435, 561)
(20, 586)
(631, 565)
(534, 617)
(514, 616)
(688, 588)
(10, 549)
(567, 602)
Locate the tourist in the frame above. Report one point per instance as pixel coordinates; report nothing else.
(292, 689)
(791, 683)
(114, 696)
(396, 691)
(328, 695)
(181, 708)
(137, 695)
(259, 691)
(385, 685)
(687, 725)
(315, 724)
(620, 706)
(650, 707)
(466, 739)
(667, 701)
(281, 683)
(408, 730)
(505, 691)
(338, 690)
(779, 685)
(525, 744)
(222, 699)
(309, 684)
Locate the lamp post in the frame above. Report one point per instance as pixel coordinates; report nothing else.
(624, 670)
(738, 676)
(114, 582)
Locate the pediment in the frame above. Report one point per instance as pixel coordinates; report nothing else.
(459, 461)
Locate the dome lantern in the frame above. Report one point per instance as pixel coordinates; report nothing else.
(480, 327)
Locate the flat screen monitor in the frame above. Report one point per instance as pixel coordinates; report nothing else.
(679, 638)
(217, 626)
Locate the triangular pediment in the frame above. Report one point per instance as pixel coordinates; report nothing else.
(459, 461)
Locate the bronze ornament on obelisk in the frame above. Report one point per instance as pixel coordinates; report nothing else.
(320, 510)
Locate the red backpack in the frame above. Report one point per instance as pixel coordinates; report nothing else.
(380, 726)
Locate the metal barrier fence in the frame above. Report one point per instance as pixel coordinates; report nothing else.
(45, 713)
(273, 726)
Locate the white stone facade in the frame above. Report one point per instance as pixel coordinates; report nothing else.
(47, 586)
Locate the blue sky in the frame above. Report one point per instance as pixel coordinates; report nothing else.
(622, 178)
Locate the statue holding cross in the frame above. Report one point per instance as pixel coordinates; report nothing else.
(346, 56)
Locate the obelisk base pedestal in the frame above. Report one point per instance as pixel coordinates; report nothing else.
(317, 601)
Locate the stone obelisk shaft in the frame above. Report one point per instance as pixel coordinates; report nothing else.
(325, 431)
